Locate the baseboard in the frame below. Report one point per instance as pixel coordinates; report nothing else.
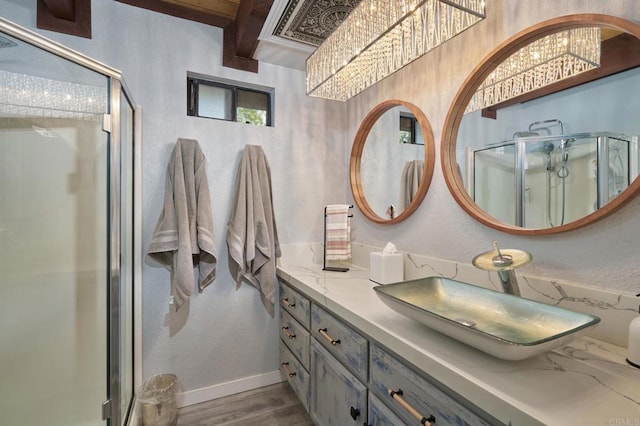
(228, 388)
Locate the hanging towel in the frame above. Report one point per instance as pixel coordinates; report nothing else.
(183, 237)
(411, 178)
(338, 238)
(252, 236)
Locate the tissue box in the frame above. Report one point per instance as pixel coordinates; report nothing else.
(386, 268)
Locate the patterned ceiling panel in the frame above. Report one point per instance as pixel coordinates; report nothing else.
(311, 21)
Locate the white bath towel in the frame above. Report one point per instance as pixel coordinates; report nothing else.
(252, 236)
(338, 232)
(183, 237)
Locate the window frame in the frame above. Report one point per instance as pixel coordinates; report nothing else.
(193, 93)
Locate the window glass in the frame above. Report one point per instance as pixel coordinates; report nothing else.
(252, 107)
(215, 102)
(224, 100)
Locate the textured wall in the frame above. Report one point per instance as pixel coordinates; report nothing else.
(603, 254)
(225, 334)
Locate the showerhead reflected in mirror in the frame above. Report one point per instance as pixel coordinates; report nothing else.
(392, 162)
(551, 147)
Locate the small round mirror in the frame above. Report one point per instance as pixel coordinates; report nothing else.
(392, 161)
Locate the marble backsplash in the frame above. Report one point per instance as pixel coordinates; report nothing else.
(616, 310)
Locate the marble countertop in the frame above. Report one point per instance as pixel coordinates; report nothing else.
(586, 382)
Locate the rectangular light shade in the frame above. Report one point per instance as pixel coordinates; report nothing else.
(545, 61)
(381, 36)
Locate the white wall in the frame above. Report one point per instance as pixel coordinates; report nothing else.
(601, 255)
(225, 334)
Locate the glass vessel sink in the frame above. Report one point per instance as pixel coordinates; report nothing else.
(502, 325)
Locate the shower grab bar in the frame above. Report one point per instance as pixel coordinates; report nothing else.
(553, 120)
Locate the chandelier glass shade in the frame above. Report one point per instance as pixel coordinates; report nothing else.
(29, 95)
(545, 61)
(381, 36)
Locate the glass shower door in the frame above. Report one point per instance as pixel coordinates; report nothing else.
(65, 299)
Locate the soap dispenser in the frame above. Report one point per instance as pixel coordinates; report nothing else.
(633, 356)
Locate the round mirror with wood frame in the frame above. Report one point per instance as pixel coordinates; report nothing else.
(451, 150)
(356, 161)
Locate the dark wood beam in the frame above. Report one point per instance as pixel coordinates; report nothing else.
(62, 9)
(65, 16)
(180, 12)
(241, 37)
(230, 58)
(620, 53)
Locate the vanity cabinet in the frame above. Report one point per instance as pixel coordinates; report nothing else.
(345, 378)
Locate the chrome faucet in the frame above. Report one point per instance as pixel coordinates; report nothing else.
(504, 262)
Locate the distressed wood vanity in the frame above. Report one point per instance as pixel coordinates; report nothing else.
(352, 360)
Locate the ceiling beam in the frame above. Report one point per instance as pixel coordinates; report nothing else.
(180, 12)
(241, 37)
(65, 16)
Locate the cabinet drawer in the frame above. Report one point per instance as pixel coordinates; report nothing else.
(336, 397)
(295, 303)
(296, 375)
(381, 415)
(387, 373)
(295, 337)
(340, 340)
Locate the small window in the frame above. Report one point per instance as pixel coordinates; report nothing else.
(407, 129)
(224, 100)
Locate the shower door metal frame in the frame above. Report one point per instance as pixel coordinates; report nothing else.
(520, 145)
(111, 125)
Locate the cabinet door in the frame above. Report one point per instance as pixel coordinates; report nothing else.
(337, 397)
(381, 415)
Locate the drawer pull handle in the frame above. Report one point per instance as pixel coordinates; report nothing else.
(285, 365)
(288, 333)
(354, 413)
(285, 301)
(323, 333)
(397, 396)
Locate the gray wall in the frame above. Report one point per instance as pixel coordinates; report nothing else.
(604, 254)
(225, 334)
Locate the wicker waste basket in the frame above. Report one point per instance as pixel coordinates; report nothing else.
(157, 401)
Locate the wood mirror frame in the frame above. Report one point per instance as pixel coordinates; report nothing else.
(468, 88)
(355, 161)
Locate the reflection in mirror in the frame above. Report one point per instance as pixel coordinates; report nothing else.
(392, 162)
(559, 154)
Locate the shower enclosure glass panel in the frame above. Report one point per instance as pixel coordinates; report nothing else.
(65, 300)
(494, 181)
(546, 181)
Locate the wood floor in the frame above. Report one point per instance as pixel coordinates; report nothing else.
(274, 405)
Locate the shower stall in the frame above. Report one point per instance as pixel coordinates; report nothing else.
(542, 181)
(67, 151)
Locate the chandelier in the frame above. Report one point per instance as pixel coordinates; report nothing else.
(545, 61)
(29, 95)
(381, 36)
